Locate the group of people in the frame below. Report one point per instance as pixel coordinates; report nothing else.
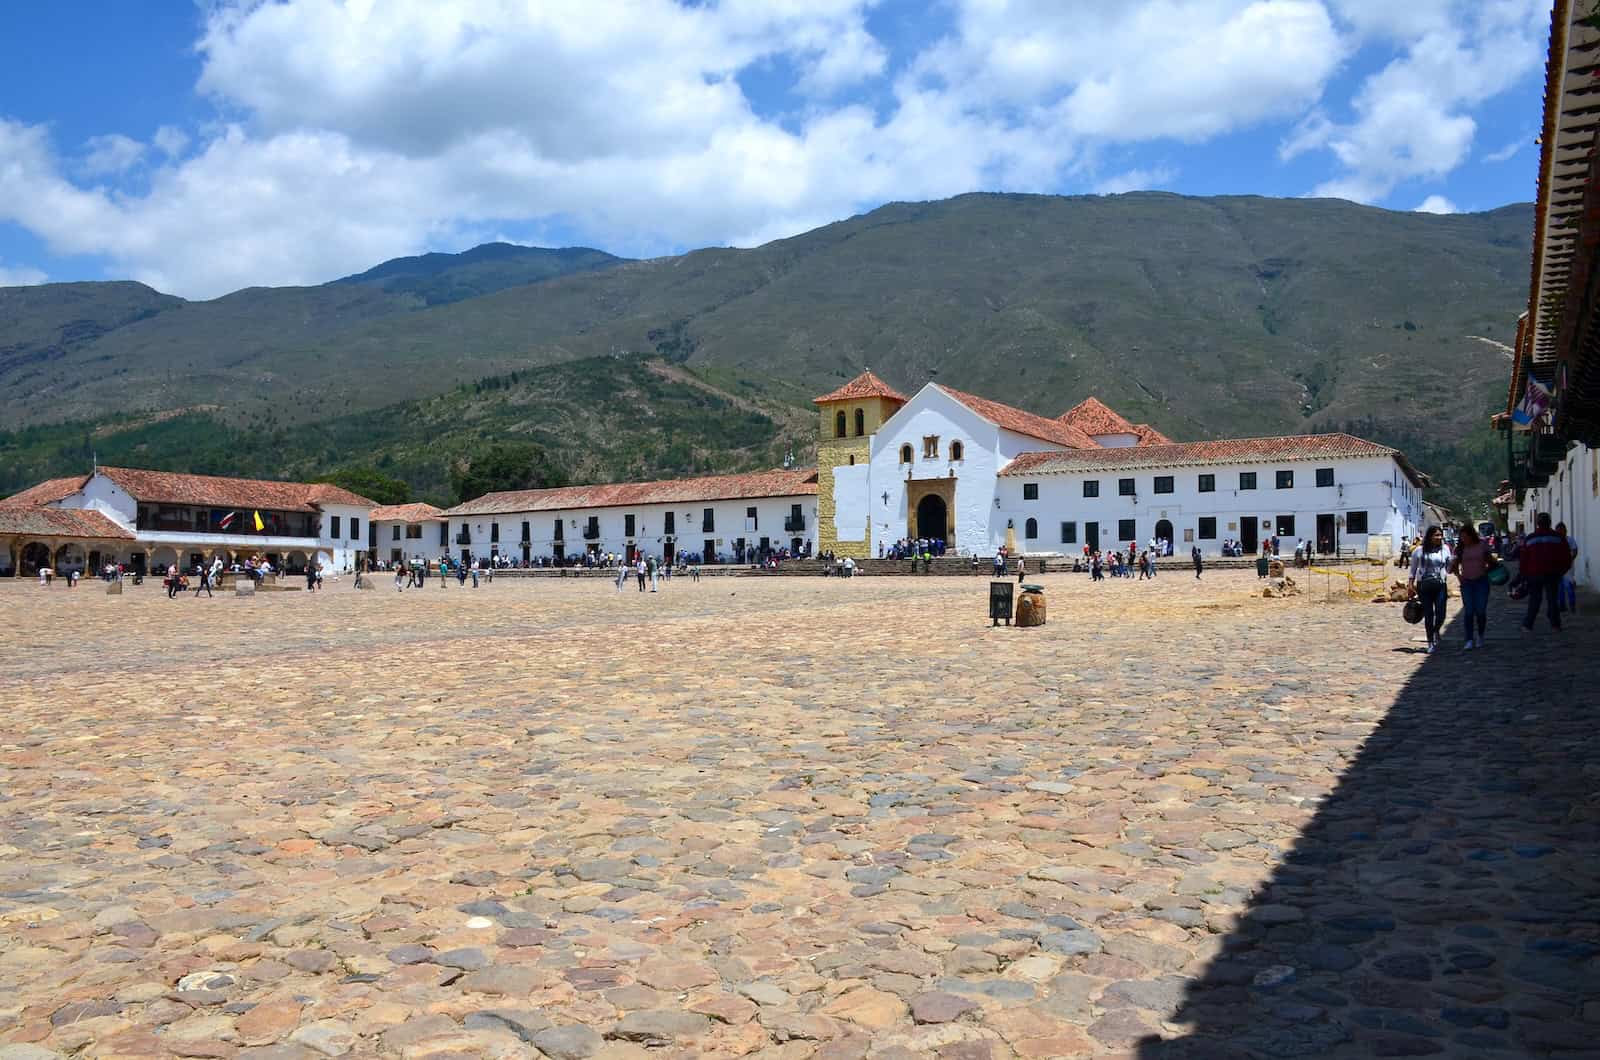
(648, 571)
(912, 548)
(1544, 576)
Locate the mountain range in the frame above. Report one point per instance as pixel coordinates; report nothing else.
(1205, 317)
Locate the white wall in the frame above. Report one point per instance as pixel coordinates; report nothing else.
(649, 520)
(104, 496)
(427, 546)
(852, 500)
(1572, 496)
(342, 549)
(1366, 486)
(932, 412)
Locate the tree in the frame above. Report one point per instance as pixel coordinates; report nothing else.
(504, 466)
(372, 484)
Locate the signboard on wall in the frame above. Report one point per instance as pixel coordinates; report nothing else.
(1188, 535)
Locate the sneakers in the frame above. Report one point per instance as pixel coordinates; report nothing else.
(1469, 645)
(1431, 646)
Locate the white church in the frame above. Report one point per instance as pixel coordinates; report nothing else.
(975, 473)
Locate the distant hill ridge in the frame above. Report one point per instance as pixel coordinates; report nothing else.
(1201, 316)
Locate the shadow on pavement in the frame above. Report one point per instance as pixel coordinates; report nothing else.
(1445, 900)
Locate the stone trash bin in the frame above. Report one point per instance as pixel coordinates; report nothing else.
(244, 587)
(114, 588)
(1030, 606)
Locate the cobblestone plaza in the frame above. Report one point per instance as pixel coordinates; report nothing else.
(790, 817)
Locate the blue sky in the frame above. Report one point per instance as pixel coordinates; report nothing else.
(202, 148)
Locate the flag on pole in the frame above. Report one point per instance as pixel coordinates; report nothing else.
(227, 520)
(259, 524)
(1535, 400)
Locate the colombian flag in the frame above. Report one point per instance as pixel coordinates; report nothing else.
(259, 524)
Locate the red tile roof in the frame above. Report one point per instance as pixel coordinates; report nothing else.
(212, 491)
(46, 492)
(865, 385)
(1025, 423)
(405, 513)
(1092, 416)
(1222, 451)
(59, 522)
(1148, 435)
(752, 485)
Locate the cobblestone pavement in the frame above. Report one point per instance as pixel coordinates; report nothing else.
(789, 818)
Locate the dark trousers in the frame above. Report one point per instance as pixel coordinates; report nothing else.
(1432, 594)
(1549, 587)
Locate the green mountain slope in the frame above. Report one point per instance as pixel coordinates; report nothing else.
(1205, 317)
(600, 419)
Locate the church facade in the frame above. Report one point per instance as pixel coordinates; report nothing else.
(979, 475)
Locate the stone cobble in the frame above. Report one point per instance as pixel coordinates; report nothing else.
(789, 818)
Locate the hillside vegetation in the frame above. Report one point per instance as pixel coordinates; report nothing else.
(1206, 317)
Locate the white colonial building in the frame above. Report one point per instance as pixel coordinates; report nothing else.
(974, 473)
(405, 533)
(151, 520)
(720, 518)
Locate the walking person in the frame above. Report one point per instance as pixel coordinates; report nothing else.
(1545, 557)
(1199, 561)
(638, 571)
(1473, 560)
(622, 576)
(1022, 569)
(205, 581)
(1569, 586)
(1430, 564)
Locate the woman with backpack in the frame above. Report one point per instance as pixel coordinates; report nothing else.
(1430, 566)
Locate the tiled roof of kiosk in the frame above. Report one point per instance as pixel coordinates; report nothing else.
(1222, 451)
(865, 385)
(417, 512)
(751, 485)
(1092, 416)
(212, 491)
(47, 492)
(59, 522)
(1024, 423)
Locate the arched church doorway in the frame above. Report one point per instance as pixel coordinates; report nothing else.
(932, 518)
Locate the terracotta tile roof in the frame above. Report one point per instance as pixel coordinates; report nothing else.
(755, 484)
(1148, 435)
(46, 492)
(212, 491)
(865, 385)
(405, 513)
(1092, 416)
(1025, 423)
(1221, 451)
(60, 522)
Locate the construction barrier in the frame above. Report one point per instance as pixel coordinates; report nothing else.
(1364, 580)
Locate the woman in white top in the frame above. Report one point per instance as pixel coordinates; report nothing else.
(1430, 566)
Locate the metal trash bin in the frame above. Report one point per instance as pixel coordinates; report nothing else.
(1000, 596)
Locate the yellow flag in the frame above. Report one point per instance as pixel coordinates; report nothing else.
(259, 524)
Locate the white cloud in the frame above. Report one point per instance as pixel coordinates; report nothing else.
(1436, 204)
(110, 154)
(1411, 118)
(170, 140)
(1509, 151)
(352, 131)
(20, 276)
(1136, 180)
